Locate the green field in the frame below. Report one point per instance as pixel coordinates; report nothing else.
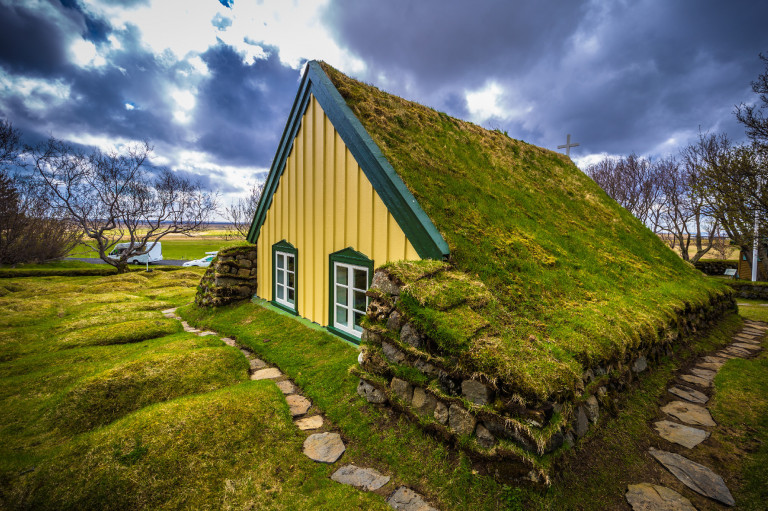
(106, 404)
(192, 248)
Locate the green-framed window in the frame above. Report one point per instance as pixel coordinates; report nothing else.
(285, 276)
(350, 275)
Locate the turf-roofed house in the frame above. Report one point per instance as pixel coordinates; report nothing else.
(501, 297)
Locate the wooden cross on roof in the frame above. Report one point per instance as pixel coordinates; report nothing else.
(567, 146)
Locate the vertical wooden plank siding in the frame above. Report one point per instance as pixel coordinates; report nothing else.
(323, 204)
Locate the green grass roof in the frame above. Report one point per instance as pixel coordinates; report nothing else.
(572, 278)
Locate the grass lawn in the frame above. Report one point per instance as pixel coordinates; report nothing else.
(105, 404)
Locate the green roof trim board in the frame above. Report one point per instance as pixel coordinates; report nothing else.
(414, 222)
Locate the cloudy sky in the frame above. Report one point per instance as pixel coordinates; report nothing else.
(210, 82)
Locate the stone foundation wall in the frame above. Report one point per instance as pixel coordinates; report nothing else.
(491, 423)
(231, 277)
(716, 266)
(753, 290)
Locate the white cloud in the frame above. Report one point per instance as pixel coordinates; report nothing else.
(185, 27)
(493, 101)
(590, 159)
(38, 95)
(84, 53)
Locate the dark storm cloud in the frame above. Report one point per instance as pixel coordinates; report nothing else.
(242, 107)
(620, 76)
(30, 43)
(96, 29)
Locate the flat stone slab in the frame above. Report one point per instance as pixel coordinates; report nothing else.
(408, 500)
(169, 311)
(366, 479)
(709, 366)
(307, 423)
(696, 477)
(228, 341)
(257, 363)
(207, 333)
(267, 374)
(707, 374)
(723, 354)
(737, 351)
(746, 346)
(652, 497)
(689, 413)
(190, 330)
(324, 447)
(684, 435)
(696, 380)
(299, 405)
(694, 396)
(715, 360)
(286, 387)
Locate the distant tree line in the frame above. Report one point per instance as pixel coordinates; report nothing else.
(707, 193)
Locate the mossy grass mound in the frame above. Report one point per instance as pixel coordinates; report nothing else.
(120, 333)
(575, 278)
(152, 378)
(232, 449)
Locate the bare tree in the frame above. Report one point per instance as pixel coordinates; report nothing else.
(752, 116)
(734, 182)
(241, 212)
(683, 209)
(29, 229)
(633, 183)
(114, 197)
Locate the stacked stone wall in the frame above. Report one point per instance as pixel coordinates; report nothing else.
(716, 266)
(231, 277)
(493, 423)
(751, 290)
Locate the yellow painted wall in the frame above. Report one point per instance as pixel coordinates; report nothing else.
(323, 204)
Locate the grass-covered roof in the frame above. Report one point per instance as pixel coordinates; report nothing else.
(571, 277)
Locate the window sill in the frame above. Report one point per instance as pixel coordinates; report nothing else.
(344, 335)
(284, 308)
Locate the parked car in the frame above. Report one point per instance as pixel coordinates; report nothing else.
(155, 254)
(204, 262)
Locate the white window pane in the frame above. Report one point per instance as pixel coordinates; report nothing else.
(361, 279)
(341, 275)
(341, 315)
(360, 300)
(280, 261)
(291, 263)
(341, 295)
(280, 294)
(291, 296)
(291, 280)
(358, 318)
(280, 277)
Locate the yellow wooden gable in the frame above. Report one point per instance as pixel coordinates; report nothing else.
(324, 203)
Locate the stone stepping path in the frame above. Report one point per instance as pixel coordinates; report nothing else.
(322, 447)
(367, 479)
(694, 396)
(652, 497)
(695, 476)
(690, 410)
(684, 435)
